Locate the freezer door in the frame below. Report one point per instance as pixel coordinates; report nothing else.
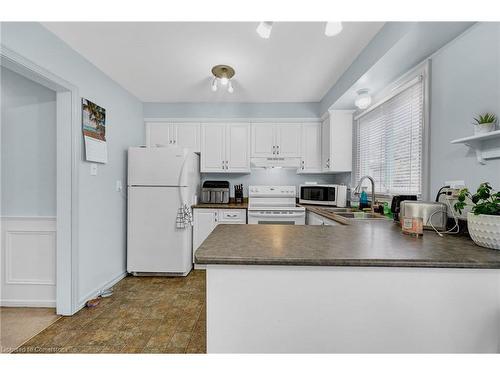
(154, 243)
(157, 166)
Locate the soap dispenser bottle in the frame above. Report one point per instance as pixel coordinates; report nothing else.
(363, 198)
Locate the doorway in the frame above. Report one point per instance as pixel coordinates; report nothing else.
(64, 205)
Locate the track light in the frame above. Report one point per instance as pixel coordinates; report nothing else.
(264, 29)
(333, 28)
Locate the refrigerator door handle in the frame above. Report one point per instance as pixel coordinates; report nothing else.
(181, 178)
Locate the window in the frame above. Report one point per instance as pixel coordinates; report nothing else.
(388, 142)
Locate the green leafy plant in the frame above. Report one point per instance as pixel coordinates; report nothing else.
(487, 118)
(485, 201)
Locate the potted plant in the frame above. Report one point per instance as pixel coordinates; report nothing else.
(484, 218)
(484, 123)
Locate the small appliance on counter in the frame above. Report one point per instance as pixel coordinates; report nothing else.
(433, 214)
(215, 192)
(396, 204)
(238, 194)
(327, 195)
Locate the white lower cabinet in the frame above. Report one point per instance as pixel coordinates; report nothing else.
(206, 219)
(315, 219)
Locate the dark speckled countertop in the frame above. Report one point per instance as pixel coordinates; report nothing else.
(365, 243)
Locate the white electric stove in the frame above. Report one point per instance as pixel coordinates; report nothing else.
(274, 205)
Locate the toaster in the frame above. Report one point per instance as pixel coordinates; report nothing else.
(434, 213)
(215, 192)
(396, 203)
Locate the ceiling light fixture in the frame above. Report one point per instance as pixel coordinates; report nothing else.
(333, 28)
(223, 74)
(264, 29)
(363, 99)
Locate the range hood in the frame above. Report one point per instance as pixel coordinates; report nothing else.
(275, 162)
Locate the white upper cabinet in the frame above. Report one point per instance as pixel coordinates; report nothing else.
(238, 147)
(337, 141)
(213, 147)
(288, 140)
(188, 135)
(325, 144)
(180, 134)
(158, 134)
(311, 148)
(225, 148)
(271, 139)
(263, 141)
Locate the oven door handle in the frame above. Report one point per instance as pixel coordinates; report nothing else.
(275, 216)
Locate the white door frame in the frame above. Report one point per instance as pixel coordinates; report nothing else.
(68, 157)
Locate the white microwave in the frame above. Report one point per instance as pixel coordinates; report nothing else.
(328, 195)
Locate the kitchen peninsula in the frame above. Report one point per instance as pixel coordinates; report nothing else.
(357, 288)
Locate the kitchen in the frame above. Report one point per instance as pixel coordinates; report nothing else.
(271, 219)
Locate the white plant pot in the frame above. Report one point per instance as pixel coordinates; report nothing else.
(484, 128)
(484, 230)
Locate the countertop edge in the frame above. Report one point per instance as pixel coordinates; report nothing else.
(348, 263)
(215, 206)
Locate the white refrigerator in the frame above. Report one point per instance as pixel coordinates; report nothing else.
(160, 181)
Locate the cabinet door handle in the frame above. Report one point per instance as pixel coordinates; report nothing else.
(278, 150)
(274, 150)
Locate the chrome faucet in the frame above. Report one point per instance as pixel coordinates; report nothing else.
(358, 187)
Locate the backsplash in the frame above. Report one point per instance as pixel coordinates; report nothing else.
(276, 177)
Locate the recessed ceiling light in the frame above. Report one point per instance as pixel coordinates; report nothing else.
(333, 28)
(264, 29)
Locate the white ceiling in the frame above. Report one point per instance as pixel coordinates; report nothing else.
(171, 61)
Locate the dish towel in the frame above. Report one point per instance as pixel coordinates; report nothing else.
(184, 217)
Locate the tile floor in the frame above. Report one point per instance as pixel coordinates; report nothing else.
(18, 324)
(144, 315)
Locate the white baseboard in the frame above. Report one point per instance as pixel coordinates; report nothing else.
(26, 303)
(97, 291)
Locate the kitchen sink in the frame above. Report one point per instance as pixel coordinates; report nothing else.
(338, 209)
(360, 215)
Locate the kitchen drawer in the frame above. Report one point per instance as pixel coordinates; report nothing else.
(235, 216)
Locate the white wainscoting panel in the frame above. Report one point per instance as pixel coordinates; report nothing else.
(28, 261)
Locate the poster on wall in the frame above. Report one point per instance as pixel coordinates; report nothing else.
(94, 132)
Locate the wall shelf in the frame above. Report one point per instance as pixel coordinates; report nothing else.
(483, 145)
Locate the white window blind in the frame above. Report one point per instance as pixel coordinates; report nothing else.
(388, 143)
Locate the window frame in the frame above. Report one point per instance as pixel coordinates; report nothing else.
(393, 89)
